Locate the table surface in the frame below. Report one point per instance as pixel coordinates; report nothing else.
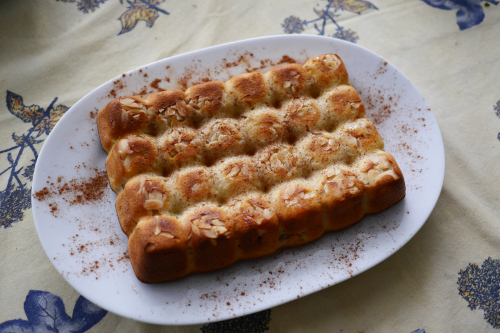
(445, 279)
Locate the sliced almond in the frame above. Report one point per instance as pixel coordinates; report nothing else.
(128, 102)
(338, 191)
(268, 213)
(217, 222)
(141, 186)
(127, 162)
(289, 191)
(366, 165)
(157, 229)
(275, 162)
(364, 178)
(356, 105)
(124, 147)
(372, 177)
(210, 233)
(331, 62)
(181, 108)
(180, 146)
(124, 116)
(153, 204)
(235, 170)
(166, 234)
(195, 187)
(309, 195)
(374, 158)
(326, 189)
(202, 225)
(383, 162)
(387, 173)
(219, 229)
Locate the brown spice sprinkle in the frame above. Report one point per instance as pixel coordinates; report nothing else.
(155, 85)
(76, 191)
(194, 75)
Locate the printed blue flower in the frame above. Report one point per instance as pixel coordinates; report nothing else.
(327, 17)
(254, 323)
(346, 34)
(29, 170)
(480, 287)
(146, 10)
(89, 5)
(292, 25)
(14, 200)
(86, 6)
(469, 13)
(46, 313)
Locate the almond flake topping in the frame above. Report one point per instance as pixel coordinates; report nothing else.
(130, 107)
(124, 148)
(293, 195)
(332, 62)
(154, 200)
(254, 210)
(127, 155)
(339, 183)
(167, 234)
(375, 167)
(210, 226)
(178, 111)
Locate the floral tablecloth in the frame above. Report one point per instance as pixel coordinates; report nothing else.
(446, 279)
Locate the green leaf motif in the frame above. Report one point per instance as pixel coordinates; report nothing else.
(16, 106)
(145, 10)
(353, 6)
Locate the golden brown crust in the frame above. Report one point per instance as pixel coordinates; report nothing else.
(158, 249)
(130, 156)
(297, 202)
(248, 89)
(206, 99)
(239, 170)
(142, 196)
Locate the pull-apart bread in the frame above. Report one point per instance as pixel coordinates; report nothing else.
(233, 171)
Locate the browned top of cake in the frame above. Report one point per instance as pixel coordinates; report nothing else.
(227, 159)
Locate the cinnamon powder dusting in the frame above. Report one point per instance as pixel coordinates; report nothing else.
(90, 237)
(196, 74)
(77, 191)
(155, 85)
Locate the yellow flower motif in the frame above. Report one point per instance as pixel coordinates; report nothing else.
(145, 10)
(47, 123)
(353, 6)
(17, 108)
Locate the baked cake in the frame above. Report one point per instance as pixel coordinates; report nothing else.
(239, 170)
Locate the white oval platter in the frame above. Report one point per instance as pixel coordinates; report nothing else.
(85, 242)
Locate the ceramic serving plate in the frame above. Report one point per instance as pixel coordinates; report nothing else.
(83, 238)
